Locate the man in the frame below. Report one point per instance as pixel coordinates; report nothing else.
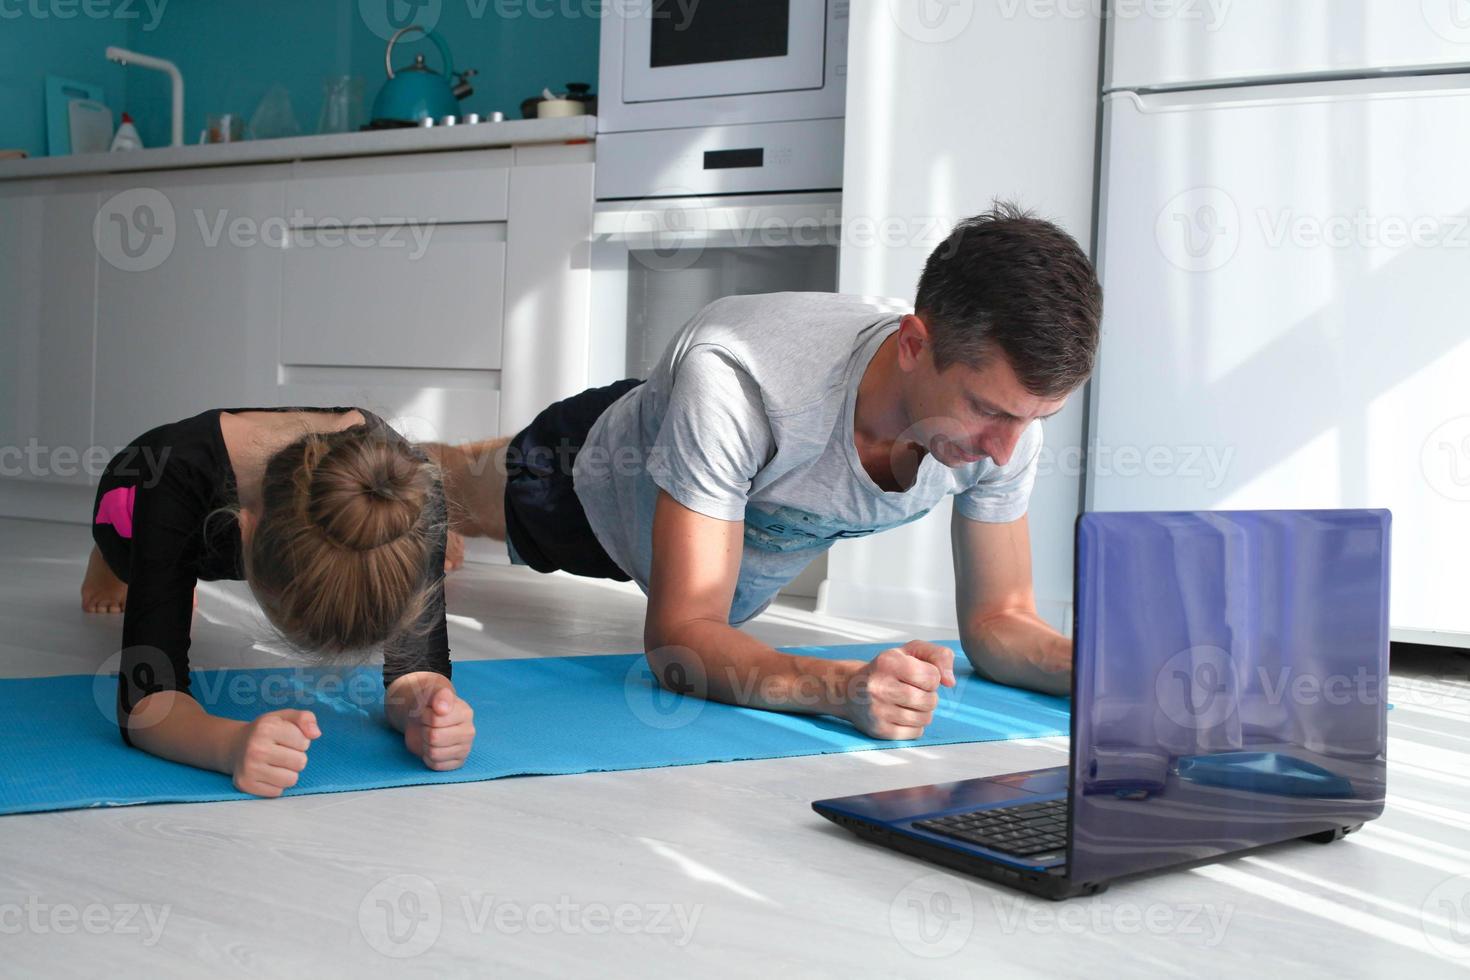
(775, 425)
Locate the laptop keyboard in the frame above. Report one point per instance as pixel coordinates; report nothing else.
(1030, 828)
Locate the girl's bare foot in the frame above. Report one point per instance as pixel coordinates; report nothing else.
(102, 591)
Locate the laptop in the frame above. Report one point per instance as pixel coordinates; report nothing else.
(1229, 678)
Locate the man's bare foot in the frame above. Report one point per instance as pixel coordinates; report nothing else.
(454, 552)
(102, 591)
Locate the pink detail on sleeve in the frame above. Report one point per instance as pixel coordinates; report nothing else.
(116, 509)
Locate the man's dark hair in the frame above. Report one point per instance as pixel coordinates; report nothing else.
(1006, 280)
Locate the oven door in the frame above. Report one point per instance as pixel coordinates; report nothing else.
(657, 263)
(676, 49)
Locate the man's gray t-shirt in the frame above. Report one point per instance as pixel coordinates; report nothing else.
(748, 417)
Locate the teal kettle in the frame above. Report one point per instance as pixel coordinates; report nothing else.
(417, 91)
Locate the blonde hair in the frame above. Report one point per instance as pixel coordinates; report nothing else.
(338, 558)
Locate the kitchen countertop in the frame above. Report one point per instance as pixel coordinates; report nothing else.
(485, 135)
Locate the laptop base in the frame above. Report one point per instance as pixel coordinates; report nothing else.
(1053, 885)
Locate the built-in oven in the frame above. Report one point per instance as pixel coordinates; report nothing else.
(657, 263)
(721, 96)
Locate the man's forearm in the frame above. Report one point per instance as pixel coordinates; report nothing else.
(717, 661)
(1020, 649)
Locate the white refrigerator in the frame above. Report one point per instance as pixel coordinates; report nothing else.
(1284, 236)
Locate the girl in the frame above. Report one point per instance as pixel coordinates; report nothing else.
(338, 525)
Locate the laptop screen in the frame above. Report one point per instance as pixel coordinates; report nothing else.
(1229, 684)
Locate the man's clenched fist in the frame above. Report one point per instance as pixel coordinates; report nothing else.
(895, 695)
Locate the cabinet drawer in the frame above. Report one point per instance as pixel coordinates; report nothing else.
(425, 406)
(437, 188)
(397, 297)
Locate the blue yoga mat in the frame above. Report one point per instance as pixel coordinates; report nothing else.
(60, 749)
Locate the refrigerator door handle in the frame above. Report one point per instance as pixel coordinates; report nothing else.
(1294, 93)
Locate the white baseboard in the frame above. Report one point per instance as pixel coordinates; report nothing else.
(1438, 638)
(923, 607)
(887, 603)
(43, 501)
(486, 550)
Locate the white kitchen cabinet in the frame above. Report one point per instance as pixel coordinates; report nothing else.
(417, 296)
(403, 315)
(47, 316)
(427, 287)
(425, 405)
(47, 263)
(462, 187)
(189, 305)
(548, 276)
(397, 262)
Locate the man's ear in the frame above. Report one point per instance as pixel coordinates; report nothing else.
(913, 341)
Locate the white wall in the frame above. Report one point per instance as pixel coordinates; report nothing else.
(949, 106)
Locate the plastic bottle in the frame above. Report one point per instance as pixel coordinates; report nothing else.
(126, 137)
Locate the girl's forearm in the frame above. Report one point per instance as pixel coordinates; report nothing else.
(172, 725)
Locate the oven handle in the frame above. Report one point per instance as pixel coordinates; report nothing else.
(692, 221)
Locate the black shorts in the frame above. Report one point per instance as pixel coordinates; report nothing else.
(112, 513)
(544, 521)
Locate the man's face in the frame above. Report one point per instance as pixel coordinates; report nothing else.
(964, 414)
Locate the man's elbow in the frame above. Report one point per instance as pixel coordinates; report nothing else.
(985, 647)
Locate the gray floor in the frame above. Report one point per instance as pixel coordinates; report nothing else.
(705, 870)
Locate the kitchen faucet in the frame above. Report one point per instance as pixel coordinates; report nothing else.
(125, 57)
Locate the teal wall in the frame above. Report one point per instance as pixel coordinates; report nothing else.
(232, 51)
(31, 48)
